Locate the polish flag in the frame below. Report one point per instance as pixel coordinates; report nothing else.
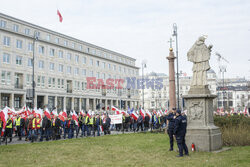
(61, 116)
(60, 16)
(54, 112)
(114, 108)
(47, 113)
(4, 117)
(165, 112)
(142, 112)
(135, 116)
(75, 117)
(149, 114)
(245, 112)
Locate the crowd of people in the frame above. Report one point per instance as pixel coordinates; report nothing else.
(44, 127)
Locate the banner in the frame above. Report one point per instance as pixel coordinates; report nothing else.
(116, 119)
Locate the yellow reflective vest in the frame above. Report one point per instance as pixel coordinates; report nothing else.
(86, 120)
(34, 123)
(18, 121)
(10, 125)
(38, 122)
(91, 121)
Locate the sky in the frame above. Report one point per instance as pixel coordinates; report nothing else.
(142, 28)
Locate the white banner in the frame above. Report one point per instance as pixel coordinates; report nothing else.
(116, 119)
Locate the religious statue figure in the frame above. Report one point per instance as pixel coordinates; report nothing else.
(199, 54)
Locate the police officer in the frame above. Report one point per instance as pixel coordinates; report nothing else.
(171, 120)
(18, 126)
(180, 132)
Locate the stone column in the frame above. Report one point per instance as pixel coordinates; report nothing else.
(126, 105)
(80, 104)
(64, 103)
(111, 104)
(12, 100)
(45, 102)
(87, 104)
(72, 103)
(56, 103)
(106, 104)
(94, 104)
(23, 100)
(172, 94)
(117, 103)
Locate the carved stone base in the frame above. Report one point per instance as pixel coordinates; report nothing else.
(205, 139)
(194, 90)
(200, 128)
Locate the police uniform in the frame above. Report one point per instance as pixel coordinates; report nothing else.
(171, 122)
(180, 132)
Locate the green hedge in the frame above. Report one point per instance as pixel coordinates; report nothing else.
(235, 130)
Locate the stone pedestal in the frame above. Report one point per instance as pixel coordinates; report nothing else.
(200, 126)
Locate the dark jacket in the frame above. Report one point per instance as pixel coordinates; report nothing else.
(140, 119)
(171, 121)
(180, 126)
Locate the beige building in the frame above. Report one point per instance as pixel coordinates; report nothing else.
(62, 64)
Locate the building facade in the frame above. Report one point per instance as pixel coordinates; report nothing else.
(62, 65)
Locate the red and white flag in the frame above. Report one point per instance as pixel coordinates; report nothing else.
(4, 117)
(47, 113)
(134, 115)
(75, 117)
(142, 112)
(59, 15)
(149, 114)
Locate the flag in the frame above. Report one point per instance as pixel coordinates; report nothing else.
(149, 114)
(114, 108)
(60, 16)
(75, 117)
(4, 117)
(142, 112)
(47, 113)
(135, 116)
(61, 116)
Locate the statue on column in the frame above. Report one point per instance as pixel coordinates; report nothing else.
(199, 54)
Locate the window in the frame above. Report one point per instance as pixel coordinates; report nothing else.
(18, 60)
(69, 56)
(43, 81)
(30, 46)
(56, 40)
(30, 64)
(97, 63)
(83, 72)
(84, 60)
(60, 68)
(17, 102)
(97, 75)
(15, 28)
(60, 53)
(6, 41)
(48, 37)
(103, 64)
(50, 82)
(91, 62)
(59, 83)
(6, 78)
(109, 66)
(27, 31)
(28, 79)
(53, 82)
(91, 73)
(120, 69)
(93, 51)
(6, 58)
(80, 47)
(65, 43)
(73, 45)
(52, 66)
(41, 64)
(38, 80)
(52, 52)
(69, 70)
(19, 44)
(76, 71)
(41, 49)
(103, 76)
(3, 24)
(76, 58)
(88, 50)
(114, 67)
(62, 83)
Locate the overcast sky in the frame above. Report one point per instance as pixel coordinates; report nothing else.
(141, 28)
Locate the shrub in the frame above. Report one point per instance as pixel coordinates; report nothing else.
(235, 130)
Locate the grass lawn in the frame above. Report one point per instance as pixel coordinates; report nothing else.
(143, 149)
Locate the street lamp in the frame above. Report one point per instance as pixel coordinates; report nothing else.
(177, 63)
(143, 64)
(33, 69)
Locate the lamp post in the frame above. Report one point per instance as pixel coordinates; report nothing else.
(177, 63)
(33, 70)
(143, 64)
